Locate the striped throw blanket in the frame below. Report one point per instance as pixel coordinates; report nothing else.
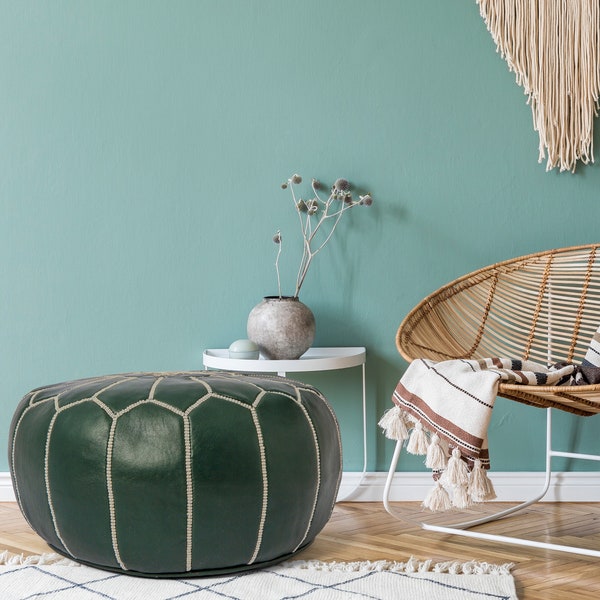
(444, 408)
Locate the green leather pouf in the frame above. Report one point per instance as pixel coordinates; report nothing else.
(176, 474)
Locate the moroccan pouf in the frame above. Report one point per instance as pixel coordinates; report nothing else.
(176, 474)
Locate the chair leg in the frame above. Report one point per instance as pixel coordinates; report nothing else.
(463, 528)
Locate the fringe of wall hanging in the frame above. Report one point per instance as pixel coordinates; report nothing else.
(553, 47)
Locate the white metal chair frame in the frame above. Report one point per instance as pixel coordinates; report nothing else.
(433, 330)
(463, 528)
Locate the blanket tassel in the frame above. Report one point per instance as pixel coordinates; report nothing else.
(393, 423)
(467, 487)
(481, 487)
(460, 497)
(438, 499)
(457, 471)
(418, 442)
(436, 459)
(456, 476)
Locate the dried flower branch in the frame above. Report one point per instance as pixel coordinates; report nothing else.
(277, 240)
(315, 216)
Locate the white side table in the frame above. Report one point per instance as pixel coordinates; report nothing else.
(314, 359)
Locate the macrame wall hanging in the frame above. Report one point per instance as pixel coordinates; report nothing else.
(553, 47)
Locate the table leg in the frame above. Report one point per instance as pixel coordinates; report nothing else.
(353, 491)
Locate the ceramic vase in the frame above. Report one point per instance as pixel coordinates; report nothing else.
(283, 328)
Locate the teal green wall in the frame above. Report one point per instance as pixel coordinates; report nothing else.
(142, 146)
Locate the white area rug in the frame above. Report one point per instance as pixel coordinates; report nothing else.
(51, 578)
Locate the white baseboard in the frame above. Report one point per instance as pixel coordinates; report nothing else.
(7, 493)
(510, 486)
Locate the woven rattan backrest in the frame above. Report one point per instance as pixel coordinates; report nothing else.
(543, 307)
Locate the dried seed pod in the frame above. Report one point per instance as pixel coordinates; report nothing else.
(342, 185)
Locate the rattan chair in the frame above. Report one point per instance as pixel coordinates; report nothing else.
(543, 307)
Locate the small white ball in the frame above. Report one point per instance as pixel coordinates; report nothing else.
(243, 349)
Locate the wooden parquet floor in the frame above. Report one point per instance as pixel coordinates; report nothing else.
(364, 531)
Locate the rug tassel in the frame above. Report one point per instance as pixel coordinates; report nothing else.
(49, 558)
(436, 456)
(438, 499)
(393, 423)
(418, 442)
(412, 565)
